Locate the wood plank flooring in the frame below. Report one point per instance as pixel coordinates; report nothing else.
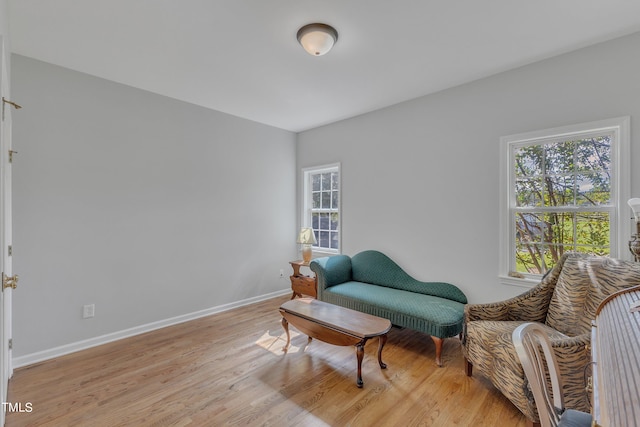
(229, 370)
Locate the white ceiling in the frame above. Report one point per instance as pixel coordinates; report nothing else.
(242, 57)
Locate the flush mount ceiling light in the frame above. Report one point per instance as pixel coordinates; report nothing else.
(317, 39)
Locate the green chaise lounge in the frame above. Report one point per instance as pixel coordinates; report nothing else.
(372, 283)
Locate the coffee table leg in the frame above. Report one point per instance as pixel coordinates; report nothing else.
(360, 356)
(382, 341)
(285, 325)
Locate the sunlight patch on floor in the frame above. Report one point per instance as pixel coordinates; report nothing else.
(275, 343)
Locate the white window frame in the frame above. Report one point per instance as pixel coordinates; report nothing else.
(307, 203)
(620, 223)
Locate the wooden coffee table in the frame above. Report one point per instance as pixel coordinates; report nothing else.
(335, 325)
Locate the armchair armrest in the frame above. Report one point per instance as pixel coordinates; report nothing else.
(574, 362)
(530, 306)
(563, 345)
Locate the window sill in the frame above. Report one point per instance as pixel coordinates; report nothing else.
(324, 252)
(521, 283)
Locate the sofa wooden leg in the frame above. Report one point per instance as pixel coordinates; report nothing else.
(532, 424)
(468, 367)
(438, 342)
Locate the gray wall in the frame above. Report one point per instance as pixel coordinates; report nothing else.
(420, 179)
(148, 207)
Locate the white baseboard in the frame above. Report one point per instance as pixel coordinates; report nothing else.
(40, 356)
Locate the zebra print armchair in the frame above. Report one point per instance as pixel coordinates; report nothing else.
(564, 303)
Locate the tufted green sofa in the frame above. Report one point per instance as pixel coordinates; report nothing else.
(372, 283)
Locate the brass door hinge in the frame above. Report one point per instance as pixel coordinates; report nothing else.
(9, 281)
(11, 153)
(13, 104)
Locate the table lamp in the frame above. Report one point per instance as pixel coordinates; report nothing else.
(307, 238)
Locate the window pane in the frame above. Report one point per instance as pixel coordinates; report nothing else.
(334, 221)
(558, 228)
(594, 154)
(529, 228)
(316, 200)
(559, 190)
(323, 241)
(531, 258)
(334, 200)
(315, 222)
(538, 258)
(315, 182)
(528, 161)
(334, 181)
(334, 240)
(541, 239)
(324, 221)
(593, 189)
(559, 157)
(528, 192)
(326, 181)
(326, 200)
(592, 229)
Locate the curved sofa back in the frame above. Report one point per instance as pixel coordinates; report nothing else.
(376, 268)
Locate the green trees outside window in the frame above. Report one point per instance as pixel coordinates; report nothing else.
(562, 200)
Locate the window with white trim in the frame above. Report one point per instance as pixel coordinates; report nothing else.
(564, 189)
(321, 206)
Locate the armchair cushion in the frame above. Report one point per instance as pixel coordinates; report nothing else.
(582, 284)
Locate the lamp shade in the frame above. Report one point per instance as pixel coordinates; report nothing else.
(635, 207)
(317, 39)
(307, 237)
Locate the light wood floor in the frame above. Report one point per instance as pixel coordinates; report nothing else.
(229, 369)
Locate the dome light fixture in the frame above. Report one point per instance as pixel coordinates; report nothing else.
(317, 39)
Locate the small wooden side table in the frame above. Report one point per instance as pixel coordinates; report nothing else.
(301, 284)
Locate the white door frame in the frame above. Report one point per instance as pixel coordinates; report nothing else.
(6, 368)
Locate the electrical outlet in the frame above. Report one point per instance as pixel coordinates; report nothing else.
(88, 311)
